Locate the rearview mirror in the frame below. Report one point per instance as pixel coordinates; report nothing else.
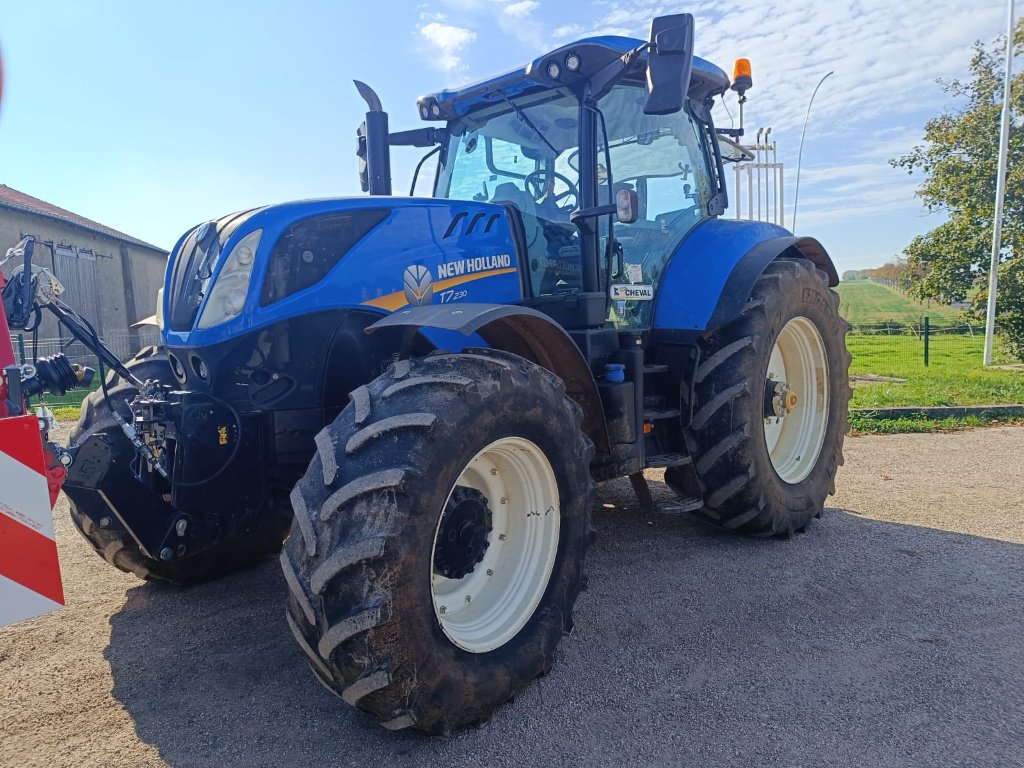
(669, 63)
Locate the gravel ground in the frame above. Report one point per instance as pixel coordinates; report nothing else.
(891, 633)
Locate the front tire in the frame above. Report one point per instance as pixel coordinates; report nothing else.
(439, 537)
(770, 407)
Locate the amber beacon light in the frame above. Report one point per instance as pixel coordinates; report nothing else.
(741, 79)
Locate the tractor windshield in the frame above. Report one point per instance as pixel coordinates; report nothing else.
(662, 158)
(518, 153)
(525, 152)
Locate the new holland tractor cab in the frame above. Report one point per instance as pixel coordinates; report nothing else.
(425, 390)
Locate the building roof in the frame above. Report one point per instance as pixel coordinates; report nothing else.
(19, 201)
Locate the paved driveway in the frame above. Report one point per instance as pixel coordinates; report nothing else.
(892, 633)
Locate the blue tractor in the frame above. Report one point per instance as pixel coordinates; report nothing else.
(424, 391)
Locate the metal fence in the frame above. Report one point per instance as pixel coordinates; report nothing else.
(758, 188)
(123, 344)
(895, 347)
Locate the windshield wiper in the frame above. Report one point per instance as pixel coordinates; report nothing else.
(522, 116)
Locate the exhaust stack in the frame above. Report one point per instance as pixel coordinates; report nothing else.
(373, 150)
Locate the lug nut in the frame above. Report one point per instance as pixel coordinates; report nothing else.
(166, 553)
(180, 526)
(469, 599)
(443, 609)
(104, 522)
(490, 571)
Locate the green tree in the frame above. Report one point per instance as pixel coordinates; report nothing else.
(958, 160)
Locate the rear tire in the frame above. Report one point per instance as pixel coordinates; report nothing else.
(763, 473)
(118, 547)
(482, 449)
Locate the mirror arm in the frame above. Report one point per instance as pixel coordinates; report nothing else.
(591, 213)
(418, 137)
(603, 80)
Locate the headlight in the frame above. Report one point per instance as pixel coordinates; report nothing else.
(227, 299)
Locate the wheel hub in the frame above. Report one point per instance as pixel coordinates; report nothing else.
(462, 540)
(779, 398)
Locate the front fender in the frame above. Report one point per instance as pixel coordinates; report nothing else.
(524, 332)
(711, 274)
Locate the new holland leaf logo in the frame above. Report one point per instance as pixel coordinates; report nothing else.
(419, 285)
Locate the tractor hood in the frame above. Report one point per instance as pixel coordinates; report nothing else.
(259, 267)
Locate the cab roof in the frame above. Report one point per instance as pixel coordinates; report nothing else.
(594, 53)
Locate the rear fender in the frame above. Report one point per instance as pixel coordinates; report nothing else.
(524, 332)
(710, 277)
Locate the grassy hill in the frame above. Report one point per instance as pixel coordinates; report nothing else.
(862, 301)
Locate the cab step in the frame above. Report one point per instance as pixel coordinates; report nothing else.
(654, 414)
(678, 506)
(655, 368)
(661, 460)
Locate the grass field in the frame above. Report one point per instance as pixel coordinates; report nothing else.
(955, 375)
(862, 301)
(863, 425)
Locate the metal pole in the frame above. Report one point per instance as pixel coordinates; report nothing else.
(997, 223)
(767, 175)
(926, 341)
(800, 154)
(775, 178)
(782, 199)
(750, 187)
(736, 190)
(757, 167)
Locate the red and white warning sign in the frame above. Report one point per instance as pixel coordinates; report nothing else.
(29, 572)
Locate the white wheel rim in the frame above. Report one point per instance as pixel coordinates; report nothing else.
(490, 605)
(794, 439)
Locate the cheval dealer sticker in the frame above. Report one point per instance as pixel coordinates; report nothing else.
(632, 292)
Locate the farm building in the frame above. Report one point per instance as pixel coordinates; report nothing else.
(110, 278)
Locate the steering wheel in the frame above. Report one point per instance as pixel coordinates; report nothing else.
(537, 185)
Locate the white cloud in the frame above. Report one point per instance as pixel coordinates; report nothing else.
(886, 58)
(565, 31)
(448, 41)
(520, 9)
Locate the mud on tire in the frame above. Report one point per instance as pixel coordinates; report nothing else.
(118, 547)
(359, 561)
(742, 490)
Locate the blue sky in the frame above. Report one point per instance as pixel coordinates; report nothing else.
(151, 117)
